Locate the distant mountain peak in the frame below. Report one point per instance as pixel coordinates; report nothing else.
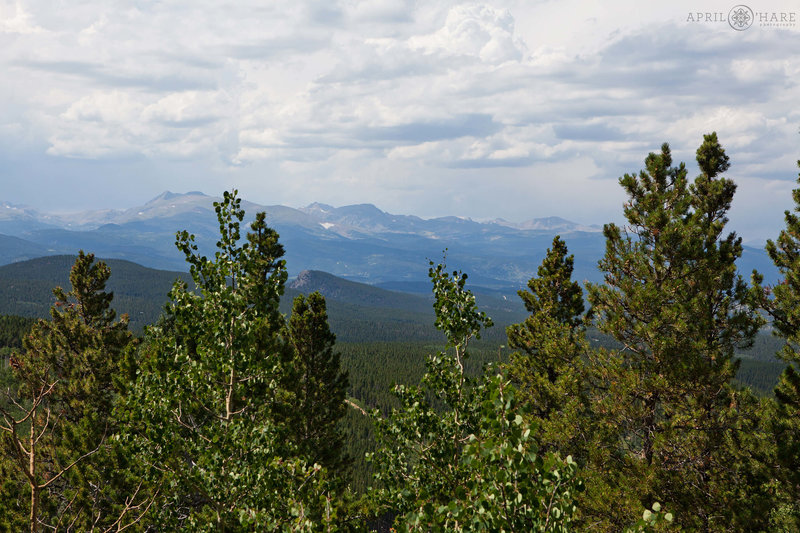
(317, 206)
(371, 207)
(169, 195)
(304, 279)
(325, 209)
(551, 223)
(23, 214)
(357, 242)
(9, 205)
(166, 195)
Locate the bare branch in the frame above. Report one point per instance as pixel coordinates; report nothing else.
(356, 407)
(64, 471)
(178, 416)
(44, 428)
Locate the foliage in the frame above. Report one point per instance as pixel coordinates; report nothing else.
(674, 301)
(651, 519)
(458, 455)
(232, 418)
(784, 308)
(56, 445)
(26, 288)
(549, 366)
(209, 388)
(553, 292)
(317, 384)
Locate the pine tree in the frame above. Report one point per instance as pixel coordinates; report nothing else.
(784, 308)
(317, 384)
(57, 429)
(553, 291)
(675, 302)
(548, 368)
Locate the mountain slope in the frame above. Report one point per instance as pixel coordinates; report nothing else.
(357, 311)
(344, 291)
(14, 249)
(26, 287)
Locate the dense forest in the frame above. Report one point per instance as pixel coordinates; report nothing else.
(650, 402)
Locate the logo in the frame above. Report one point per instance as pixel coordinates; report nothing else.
(740, 17)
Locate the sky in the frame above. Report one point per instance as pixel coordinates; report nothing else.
(514, 109)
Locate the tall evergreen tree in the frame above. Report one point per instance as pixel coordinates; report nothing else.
(553, 291)
(56, 444)
(548, 368)
(317, 384)
(675, 302)
(784, 308)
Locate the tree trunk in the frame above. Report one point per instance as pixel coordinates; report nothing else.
(32, 479)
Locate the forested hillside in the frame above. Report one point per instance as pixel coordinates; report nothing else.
(652, 401)
(358, 313)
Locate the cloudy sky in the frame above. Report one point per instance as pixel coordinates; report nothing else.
(514, 109)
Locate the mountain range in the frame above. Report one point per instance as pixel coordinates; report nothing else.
(357, 242)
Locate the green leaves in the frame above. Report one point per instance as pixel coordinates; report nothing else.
(784, 306)
(552, 291)
(549, 367)
(652, 520)
(457, 314)
(458, 455)
(782, 302)
(212, 394)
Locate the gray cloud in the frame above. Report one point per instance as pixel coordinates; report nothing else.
(189, 123)
(101, 75)
(587, 132)
(512, 162)
(474, 124)
(273, 47)
(324, 13)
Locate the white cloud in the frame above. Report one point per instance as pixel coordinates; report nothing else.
(15, 19)
(361, 99)
(474, 30)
